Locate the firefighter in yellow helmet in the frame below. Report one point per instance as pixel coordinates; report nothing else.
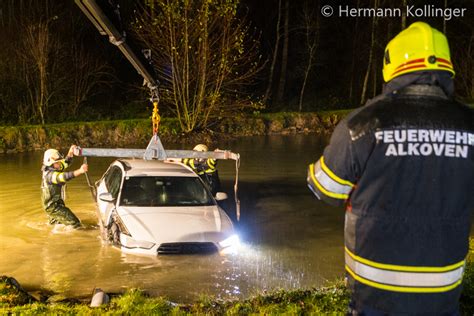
(52, 187)
(205, 168)
(403, 166)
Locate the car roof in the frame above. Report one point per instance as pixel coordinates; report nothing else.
(140, 167)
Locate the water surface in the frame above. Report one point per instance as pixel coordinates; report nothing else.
(290, 240)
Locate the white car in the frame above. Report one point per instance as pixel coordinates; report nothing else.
(153, 207)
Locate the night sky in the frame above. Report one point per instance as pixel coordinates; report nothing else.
(335, 81)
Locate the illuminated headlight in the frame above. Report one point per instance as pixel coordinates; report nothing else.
(129, 242)
(230, 244)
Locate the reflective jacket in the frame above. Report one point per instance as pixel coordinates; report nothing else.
(206, 169)
(404, 166)
(52, 185)
(201, 166)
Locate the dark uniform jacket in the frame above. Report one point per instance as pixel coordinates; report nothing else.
(404, 166)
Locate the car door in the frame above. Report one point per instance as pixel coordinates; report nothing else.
(110, 183)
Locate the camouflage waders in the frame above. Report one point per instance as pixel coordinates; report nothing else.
(53, 187)
(59, 213)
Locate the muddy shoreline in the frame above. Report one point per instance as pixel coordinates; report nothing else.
(136, 133)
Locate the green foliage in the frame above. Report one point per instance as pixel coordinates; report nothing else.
(330, 300)
(205, 57)
(136, 302)
(137, 132)
(11, 293)
(467, 296)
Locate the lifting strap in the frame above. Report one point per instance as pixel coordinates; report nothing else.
(155, 117)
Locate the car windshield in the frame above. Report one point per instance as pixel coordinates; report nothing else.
(164, 191)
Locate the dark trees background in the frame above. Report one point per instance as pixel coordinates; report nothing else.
(343, 50)
(54, 66)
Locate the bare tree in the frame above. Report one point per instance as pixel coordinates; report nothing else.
(53, 73)
(284, 54)
(311, 29)
(464, 64)
(354, 56)
(204, 57)
(275, 56)
(38, 46)
(371, 53)
(88, 75)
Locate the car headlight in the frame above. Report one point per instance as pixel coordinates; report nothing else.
(129, 242)
(123, 229)
(230, 244)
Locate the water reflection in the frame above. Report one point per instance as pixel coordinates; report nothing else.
(289, 239)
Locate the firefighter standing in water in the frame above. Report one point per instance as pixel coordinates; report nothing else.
(404, 166)
(53, 190)
(205, 168)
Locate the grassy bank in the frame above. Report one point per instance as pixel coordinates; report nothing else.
(331, 300)
(137, 132)
(328, 300)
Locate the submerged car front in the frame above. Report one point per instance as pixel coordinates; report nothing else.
(171, 214)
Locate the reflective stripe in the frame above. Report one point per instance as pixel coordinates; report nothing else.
(410, 62)
(404, 268)
(54, 177)
(63, 164)
(411, 67)
(401, 288)
(332, 175)
(57, 177)
(61, 177)
(327, 184)
(399, 280)
(212, 165)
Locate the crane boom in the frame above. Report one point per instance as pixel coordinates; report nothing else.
(105, 26)
(142, 63)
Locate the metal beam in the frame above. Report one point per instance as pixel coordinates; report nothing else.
(155, 150)
(170, 154)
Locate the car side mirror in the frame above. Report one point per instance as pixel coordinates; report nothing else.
(220, 196)
(106, 197)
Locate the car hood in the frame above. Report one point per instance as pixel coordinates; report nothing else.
(176, 224)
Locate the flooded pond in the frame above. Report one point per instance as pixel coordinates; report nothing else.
(290, 240)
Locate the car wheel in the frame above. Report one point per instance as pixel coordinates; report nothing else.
(113, 234)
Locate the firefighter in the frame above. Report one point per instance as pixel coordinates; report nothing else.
(53, 186)
(404, 167)
(205, 168)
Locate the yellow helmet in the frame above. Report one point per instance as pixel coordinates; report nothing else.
(200, 147)
(417, 48)
(51, 156)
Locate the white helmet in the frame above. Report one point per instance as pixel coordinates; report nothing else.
(200, 147)
(51, 156)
